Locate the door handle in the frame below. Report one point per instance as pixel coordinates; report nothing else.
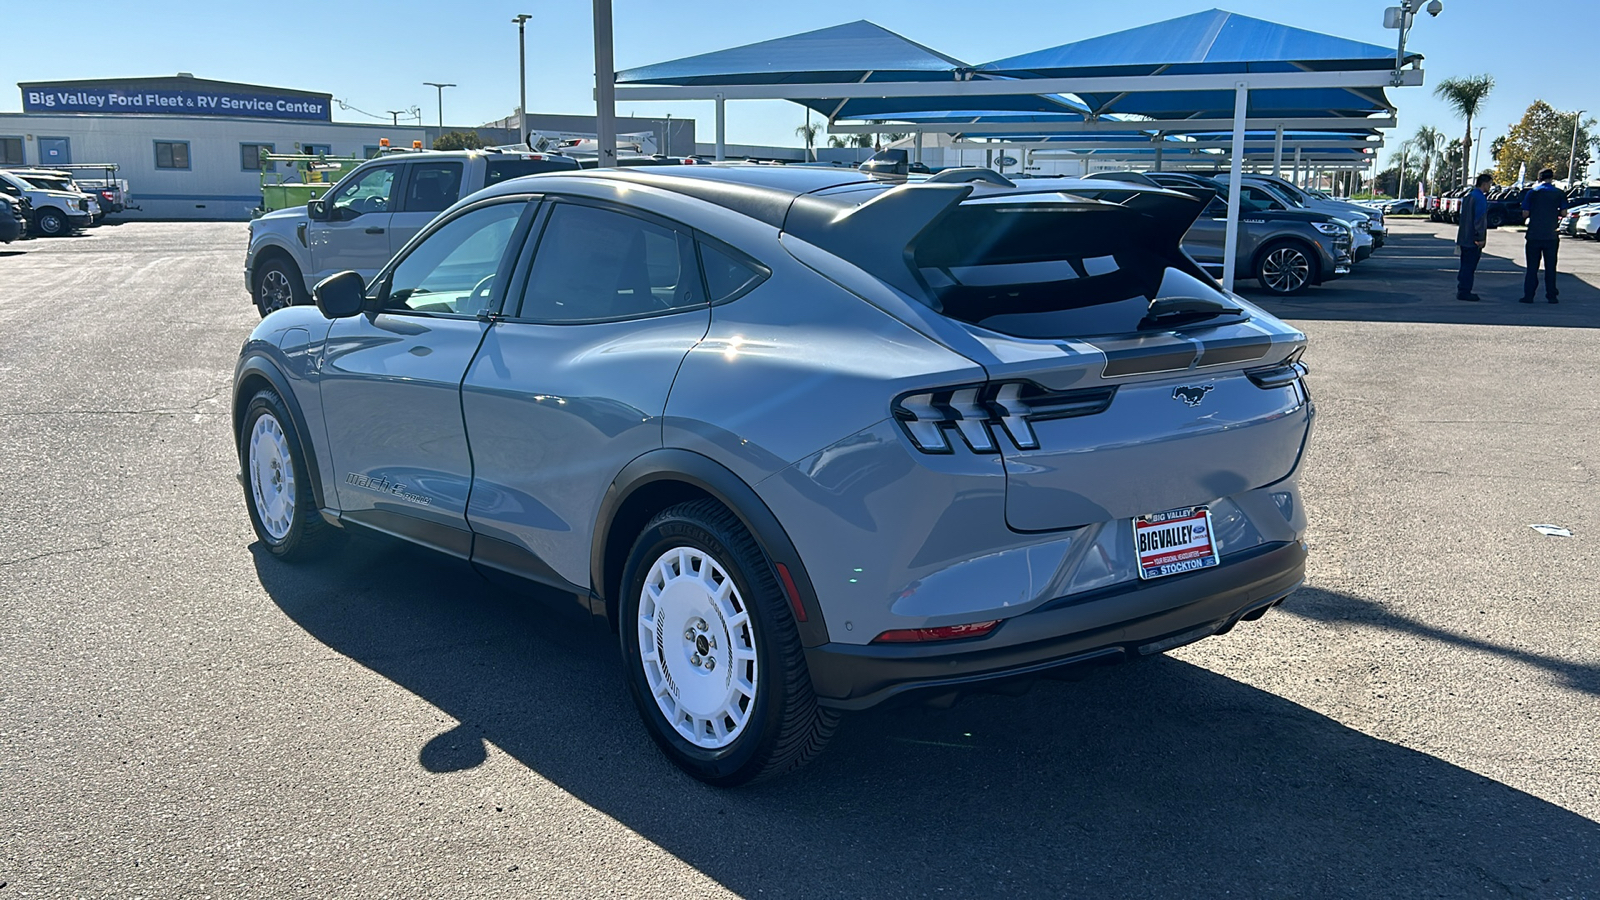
(374, 231)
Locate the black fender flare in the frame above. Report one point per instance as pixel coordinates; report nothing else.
(707, 476)
(258, 365)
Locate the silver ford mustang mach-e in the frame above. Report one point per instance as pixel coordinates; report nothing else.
(807, 439)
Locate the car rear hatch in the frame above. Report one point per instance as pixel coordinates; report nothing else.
(1122, 380)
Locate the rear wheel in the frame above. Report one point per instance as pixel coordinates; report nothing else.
(713, 658)
(1285, 268)
(52, 222)
(278, 284)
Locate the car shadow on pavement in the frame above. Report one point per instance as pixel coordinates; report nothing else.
(1158, 778)
(1413, 279)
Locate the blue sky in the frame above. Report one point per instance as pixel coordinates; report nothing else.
(375, 56)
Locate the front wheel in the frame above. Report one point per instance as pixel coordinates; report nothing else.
(52, 222)
(278, 284)
(713, 657)
(277, 484)
(1285, 269)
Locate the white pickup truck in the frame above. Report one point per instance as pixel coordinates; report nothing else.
(369, 216)
(55, 212)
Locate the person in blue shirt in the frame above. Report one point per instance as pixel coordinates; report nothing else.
(1472, 234)
(1542, 207)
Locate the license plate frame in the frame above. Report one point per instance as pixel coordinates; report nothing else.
(1177, 552)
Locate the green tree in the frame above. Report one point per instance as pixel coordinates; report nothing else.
(808, 133)
(1543, 138)
(458, 140)
(836, 141)
(1427, 143)
(861, 140)
(1451, 171)
(1465, 96)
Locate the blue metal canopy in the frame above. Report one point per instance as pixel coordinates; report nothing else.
(1212, 42)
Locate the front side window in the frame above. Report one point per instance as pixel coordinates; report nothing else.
(453, 270)
(1254, 199)
(366, 192)
(434, 186)
(250, 158)
(172, 154)
(11, 151)
(595, 264)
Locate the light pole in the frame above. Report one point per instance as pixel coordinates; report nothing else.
(1572, 155)
(666, 138)
(395, 115)
(522, 77)
(441, 88)
(1477, 147)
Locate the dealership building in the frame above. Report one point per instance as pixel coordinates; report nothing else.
(190, 148)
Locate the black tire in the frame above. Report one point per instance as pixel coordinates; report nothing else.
(785, 727)
(1496, 218)
(278, 283)
(292, 529)
(1286, 268)
(51, 222)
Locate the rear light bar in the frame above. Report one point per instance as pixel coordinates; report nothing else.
(1287, 372)
(942, 633)
(975, 411)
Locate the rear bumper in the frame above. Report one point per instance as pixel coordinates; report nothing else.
(1120, 622)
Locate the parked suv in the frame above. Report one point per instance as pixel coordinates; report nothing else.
(806, 438)
(55, 211)
(1354, 213)
(1285, 250)
(360, 223)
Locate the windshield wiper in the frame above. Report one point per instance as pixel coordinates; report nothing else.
(1171, 312)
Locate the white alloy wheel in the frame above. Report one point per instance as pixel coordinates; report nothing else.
(272, 476)
(1286, 270)
(698, 647)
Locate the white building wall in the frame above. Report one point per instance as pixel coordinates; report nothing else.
(215, 186)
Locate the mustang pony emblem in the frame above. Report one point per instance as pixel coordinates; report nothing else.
(1191, 395)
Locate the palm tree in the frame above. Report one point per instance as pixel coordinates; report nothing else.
(1465, 96)
(1427, 143)
(836, 141)
(808, 133)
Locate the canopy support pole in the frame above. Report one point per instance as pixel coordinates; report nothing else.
(919, 147)
(722, 128)
(1159, 142)
(605, 95)
(1296, 178)
(1230, 248)
(1277, 154)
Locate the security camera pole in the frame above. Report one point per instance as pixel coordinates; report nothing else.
(1399, 18)
(522, 77)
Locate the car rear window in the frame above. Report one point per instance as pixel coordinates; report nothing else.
(515, 167)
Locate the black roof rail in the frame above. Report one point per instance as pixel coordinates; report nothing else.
(967, 174)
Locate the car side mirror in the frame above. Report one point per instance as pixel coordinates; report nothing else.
(317, 209)
(340, 296)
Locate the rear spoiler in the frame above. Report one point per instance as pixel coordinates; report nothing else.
(881, 235)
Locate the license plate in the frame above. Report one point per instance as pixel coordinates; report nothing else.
(1178, 540)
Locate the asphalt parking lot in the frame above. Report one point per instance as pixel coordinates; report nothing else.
(183, 716)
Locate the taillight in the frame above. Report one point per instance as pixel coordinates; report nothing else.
(943, 633)
(975, 412)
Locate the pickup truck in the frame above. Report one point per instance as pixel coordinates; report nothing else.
(368, 216)
(55, 212)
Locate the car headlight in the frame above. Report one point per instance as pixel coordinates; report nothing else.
(1363, 225)
(1328, 227)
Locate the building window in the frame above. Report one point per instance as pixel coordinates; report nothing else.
(250, 158)
(317, 149)
(172, 154)
(11, 151)
(369, 151)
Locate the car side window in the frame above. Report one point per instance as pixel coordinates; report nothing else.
(452, 271)
(596, 264)
(434, 186)
(1256, 199)
(729, 274)
(368, 192)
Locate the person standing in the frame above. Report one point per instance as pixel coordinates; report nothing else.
(1472, 234)
(1543, 208)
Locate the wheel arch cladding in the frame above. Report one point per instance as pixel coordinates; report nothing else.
(255, 375)
(665, 478)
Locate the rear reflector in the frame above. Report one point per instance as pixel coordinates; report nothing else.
(791, 592)
(943, 633)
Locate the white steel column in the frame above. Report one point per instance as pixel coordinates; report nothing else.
(605, 96)
(1277, 154)
(1296, 179)
(722, 128)
(1230, 249)
(919, 147)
